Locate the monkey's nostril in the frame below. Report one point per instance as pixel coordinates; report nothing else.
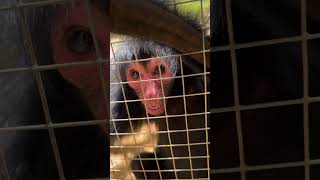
(151, 92)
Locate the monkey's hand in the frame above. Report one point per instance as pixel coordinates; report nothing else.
(126, 148)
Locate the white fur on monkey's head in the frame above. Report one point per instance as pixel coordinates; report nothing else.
(134, 49)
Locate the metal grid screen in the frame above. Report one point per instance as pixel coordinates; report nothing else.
(243, 169)
(129, 145)
(19, 65)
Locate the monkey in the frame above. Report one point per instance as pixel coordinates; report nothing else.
(28, 154)
(44, 36)
(131, 164)
(157, 61)
(265, 74)
(128, 160)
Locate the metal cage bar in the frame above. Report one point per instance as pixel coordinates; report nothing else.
(166, 116)
(36, 69)
(237, 108)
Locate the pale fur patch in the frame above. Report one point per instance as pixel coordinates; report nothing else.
(120, 158)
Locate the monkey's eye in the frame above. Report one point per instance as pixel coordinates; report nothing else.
(135, 74)
(80, 41)
(161, 68)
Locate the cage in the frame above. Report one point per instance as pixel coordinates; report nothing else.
(47, 131)
(265, 90)
(50, 128)
(173, 143)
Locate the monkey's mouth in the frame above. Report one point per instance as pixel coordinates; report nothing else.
(154, 108)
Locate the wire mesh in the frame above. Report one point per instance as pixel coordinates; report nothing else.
(242, 167)
(129, 145)
(22, 73)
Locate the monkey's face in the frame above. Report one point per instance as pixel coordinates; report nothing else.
(150, 86)
(73, 41)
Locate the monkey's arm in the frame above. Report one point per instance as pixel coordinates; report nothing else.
(157, 24)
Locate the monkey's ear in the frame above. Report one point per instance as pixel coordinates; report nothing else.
(191, 66)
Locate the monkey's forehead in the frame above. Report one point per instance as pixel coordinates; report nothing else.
(131, 48)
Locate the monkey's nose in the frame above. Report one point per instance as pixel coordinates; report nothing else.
(150, 90)
(150, 93)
